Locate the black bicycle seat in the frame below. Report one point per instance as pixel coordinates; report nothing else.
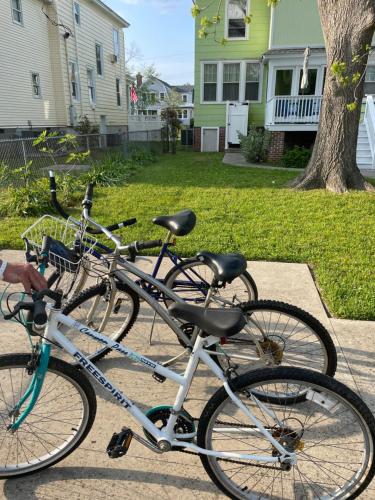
(216, 322)
(226, 267)
(179, 224)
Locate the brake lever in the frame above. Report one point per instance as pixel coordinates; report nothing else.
(28, 306)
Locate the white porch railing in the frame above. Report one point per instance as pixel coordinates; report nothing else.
(294, 109)
(369, 121)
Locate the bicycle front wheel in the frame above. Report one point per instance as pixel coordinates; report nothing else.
(110, 312)
(279, 334)
(331, 431)
(192, 279)
(59, 422)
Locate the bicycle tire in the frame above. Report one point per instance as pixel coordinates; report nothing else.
(30, 439)
(186, 291)
(309, 435)
(312, 344)
(97, 292)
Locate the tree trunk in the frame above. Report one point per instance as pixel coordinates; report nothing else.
(348, 27)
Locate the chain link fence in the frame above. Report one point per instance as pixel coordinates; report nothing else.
(15, 153)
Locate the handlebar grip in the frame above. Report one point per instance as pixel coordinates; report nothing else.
(89, 192)
(143, 245)
(128, 222)
(52, 181)
(40, 315)
(46, 244)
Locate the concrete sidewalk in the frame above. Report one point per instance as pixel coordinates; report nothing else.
(89, 473)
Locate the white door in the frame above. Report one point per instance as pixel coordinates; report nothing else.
(237, 120)
(209, 139)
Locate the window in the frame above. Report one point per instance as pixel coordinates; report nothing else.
(99, 58)
(152, 97)
(210, 83)
(184, 98)
(236, 26)
(231, 82)
(252, 82)
(17, 11)
(116, 45)
(185, 113)
(35, 81)
(283, 84)
(152, 112)
(118, 91)
(370, 80)
(311, 83)
(77, 13)
(162, 96)
(91, 86)
(74, 88)
(179, 113)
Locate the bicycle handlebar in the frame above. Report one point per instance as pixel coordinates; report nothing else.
(88, 201)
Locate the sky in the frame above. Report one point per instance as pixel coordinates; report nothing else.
(163, 32)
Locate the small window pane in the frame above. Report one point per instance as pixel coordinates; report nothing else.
(17, 11)
(252, 82)
(231, 82)
(236, 23)
(370, 74)
(369, 88)
(36, 84)
(116, 44)
(91, 85)
(311, 85)
(118, 92)
(283, 82)
(77, 13)
(74, 81)
(99, 58)
(210, 82)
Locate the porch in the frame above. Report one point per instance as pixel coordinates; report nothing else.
(299, 112)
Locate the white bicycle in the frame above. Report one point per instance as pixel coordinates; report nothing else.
(270, 433)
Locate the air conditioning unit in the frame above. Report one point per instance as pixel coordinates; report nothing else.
(114, 58)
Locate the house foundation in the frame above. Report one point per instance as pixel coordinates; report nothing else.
(277, 146)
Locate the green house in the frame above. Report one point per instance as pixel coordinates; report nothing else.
(257, 76)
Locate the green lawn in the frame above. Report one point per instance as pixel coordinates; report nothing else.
(250, 211)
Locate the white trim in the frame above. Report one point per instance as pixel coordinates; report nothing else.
(237, 39)
(302, 127)
(217, 138)
(272, 24)
(111, 12)
(242, 83)
(118, 55)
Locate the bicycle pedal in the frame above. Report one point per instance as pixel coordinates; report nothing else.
(159, 378)
(119, 443)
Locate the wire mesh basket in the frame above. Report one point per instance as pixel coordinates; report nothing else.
(69, 253)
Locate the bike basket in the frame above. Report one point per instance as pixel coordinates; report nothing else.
(70, 243)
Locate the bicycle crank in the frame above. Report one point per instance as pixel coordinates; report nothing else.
(159, 416)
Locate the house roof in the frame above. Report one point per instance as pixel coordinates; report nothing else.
(297, 51)
(183, 88)
(111, 12)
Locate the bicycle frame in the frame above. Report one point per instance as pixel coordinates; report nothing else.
(164, 435)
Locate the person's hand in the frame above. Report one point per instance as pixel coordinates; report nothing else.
(25, 274)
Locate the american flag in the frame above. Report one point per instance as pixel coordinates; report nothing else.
(133, 94)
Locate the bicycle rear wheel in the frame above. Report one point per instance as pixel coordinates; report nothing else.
(59, 422)
(331, 431)
(286, 335)
(111, 312)
(191, 280)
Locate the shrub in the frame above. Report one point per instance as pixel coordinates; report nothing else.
(297, 157)
(255, 145)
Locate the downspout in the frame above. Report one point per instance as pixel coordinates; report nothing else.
(77, 59)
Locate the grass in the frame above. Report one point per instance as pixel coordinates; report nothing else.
(250, 211)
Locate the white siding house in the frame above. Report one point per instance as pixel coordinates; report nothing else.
(54, 75)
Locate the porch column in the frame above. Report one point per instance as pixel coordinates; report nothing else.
(276, 149)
